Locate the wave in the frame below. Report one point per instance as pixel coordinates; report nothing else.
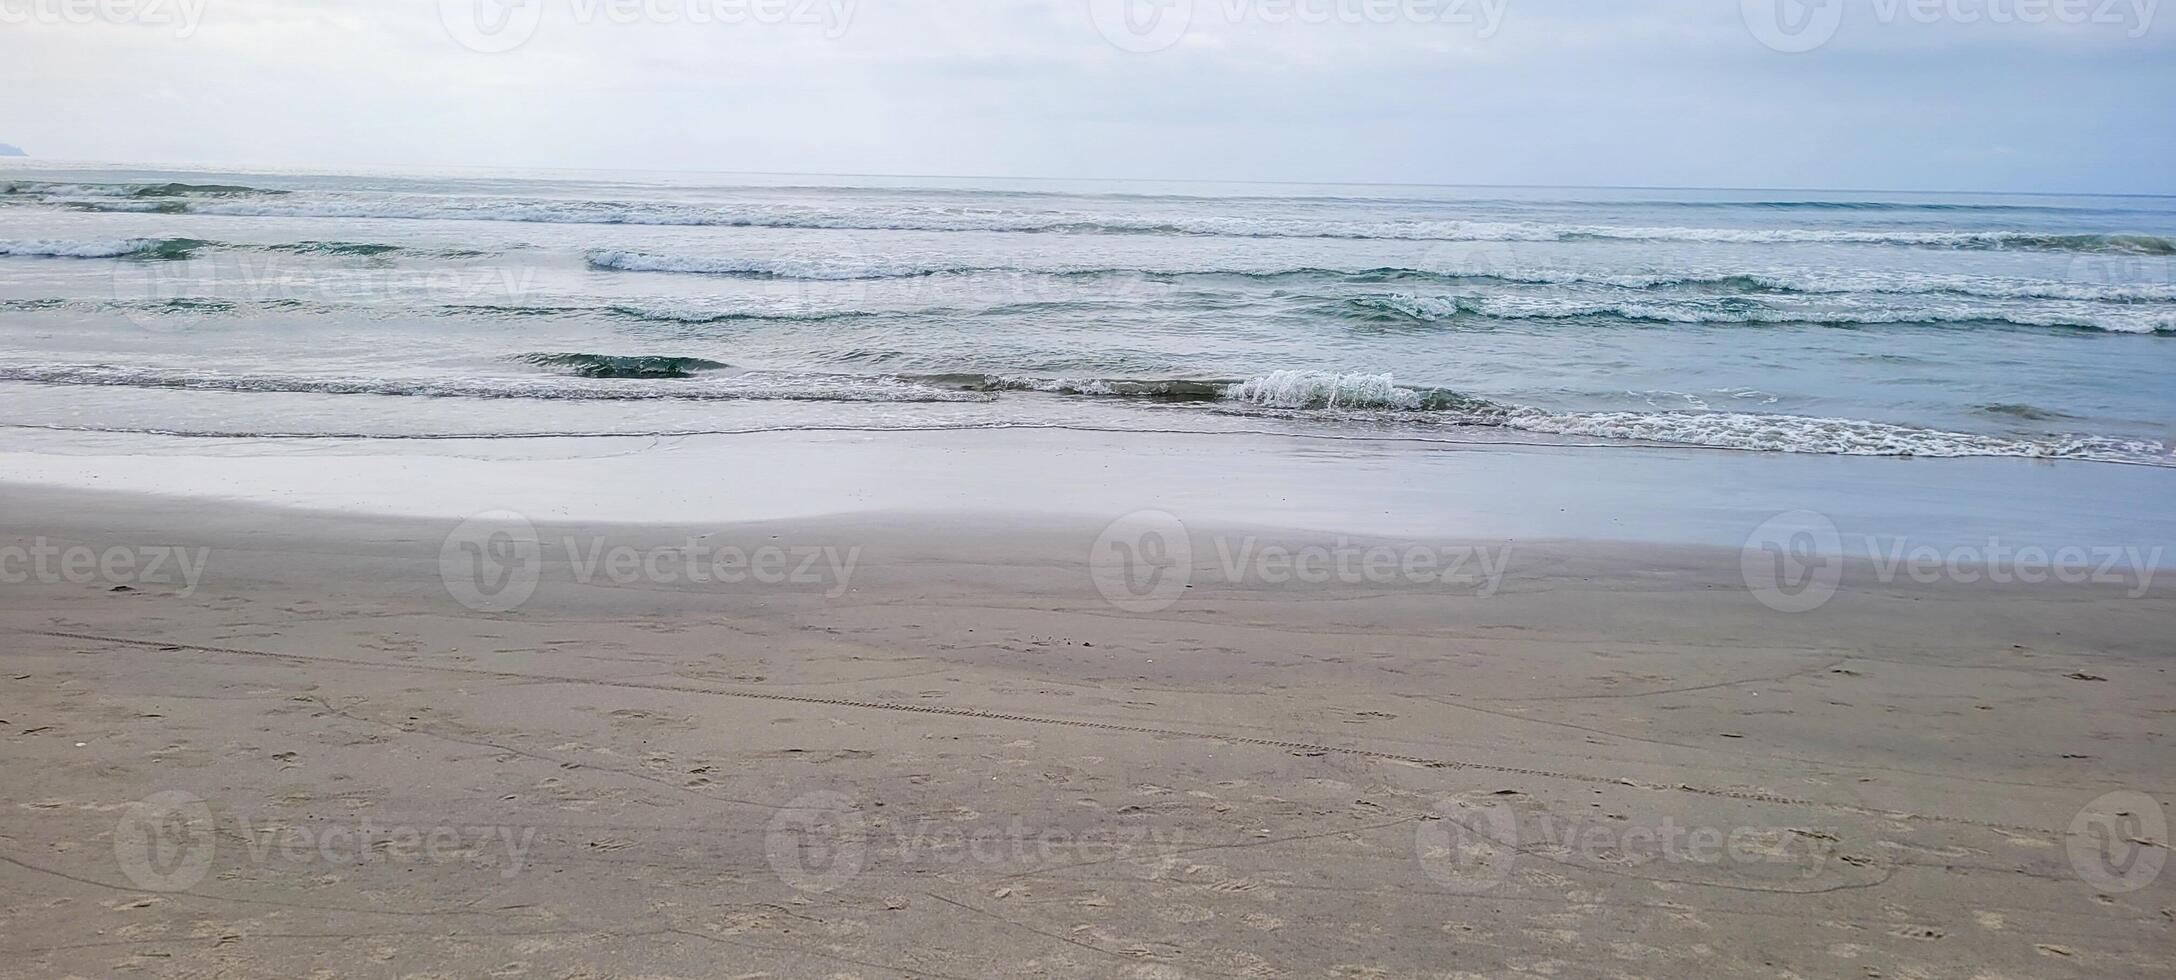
(1842, 437)
(746, 387)
(158, 189)
(138, 248)
(1160, 391)
(814, 268)
(252, 203)
(2117, 244)
(621, 366)
(1278, 389)
(1803, 283)
(184, 248)
(1326, 390)
(638, 313)
(1398, 307)
(697, 315)
(655, 313)
(1297, 395)
(363, 250)
(845, 266)
(1832, 205)
(135, 190)
(1374, 395)
(1712, 302)
(2019, 410)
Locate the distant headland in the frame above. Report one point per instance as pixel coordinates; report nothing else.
(11, 150)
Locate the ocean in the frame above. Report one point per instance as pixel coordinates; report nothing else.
(309, 306)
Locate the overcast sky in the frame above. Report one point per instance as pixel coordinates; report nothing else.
(2058, 95)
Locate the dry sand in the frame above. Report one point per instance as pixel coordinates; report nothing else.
(964, 761)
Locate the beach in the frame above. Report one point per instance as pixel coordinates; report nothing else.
(878, 704)
(638, 574)
(1141, 489)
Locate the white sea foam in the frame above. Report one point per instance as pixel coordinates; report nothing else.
(1845, 437)
(898, 217)
(1323, 389)
(1367, 393)
(59, 190)
(1706, 282)
(1831, 309)
(806, 267)
(751, 386)
(48, 248)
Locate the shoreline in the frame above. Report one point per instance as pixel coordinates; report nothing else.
(1358, 485)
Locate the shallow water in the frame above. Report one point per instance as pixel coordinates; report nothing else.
(388, 305)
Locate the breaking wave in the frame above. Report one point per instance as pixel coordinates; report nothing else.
(253, 202)
(139, 190)
(139, 248)
(1278, 394)
(1374, 395)
(621, 366)
(2114, 318)
(183, 248)
(745, 387)
(842, 266)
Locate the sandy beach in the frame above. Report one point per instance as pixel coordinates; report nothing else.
(962, 742)
(1138, 489)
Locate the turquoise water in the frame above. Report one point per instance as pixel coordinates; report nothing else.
(291, 305)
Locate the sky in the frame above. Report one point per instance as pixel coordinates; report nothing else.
(2016, 95)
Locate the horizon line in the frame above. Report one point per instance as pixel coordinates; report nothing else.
(1256, 181)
